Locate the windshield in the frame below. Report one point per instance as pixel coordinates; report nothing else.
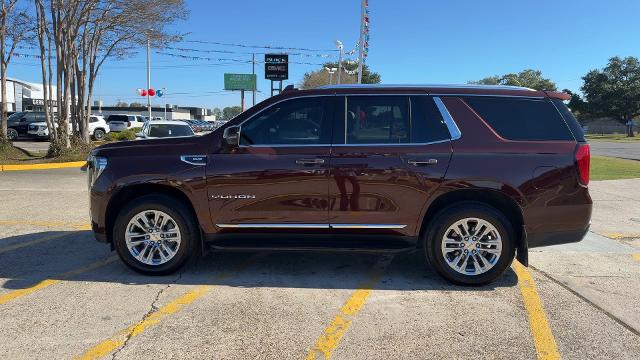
(169, 130)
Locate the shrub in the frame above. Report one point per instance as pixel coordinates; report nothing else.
(129, 134)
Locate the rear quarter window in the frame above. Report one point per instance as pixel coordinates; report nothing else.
(521, 119)
(571, 120)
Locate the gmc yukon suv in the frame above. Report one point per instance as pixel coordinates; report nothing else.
(468, 175)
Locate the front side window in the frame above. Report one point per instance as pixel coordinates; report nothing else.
(293, 122)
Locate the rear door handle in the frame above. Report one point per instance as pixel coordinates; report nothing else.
(309, 161)
(423, 163)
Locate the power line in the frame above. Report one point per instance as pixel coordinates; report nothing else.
(258, 46)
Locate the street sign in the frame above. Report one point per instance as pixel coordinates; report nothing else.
(240, 82)
(276, 67)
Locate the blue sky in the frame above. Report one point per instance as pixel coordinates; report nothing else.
(412, 41)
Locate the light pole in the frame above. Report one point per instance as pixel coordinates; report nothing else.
(341, 49)
(331, 71)
(149, 76)
(361, 42)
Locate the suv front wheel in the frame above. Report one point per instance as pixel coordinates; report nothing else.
(470, 243)
(155, 235)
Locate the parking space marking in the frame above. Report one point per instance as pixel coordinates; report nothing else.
(636, 256)
(543, 339)
(332, 334)
(48, 282)
(120, 338)
(32, 242)
(46, 166)
(49, 224)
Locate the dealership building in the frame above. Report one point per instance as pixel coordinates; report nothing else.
(26, 96)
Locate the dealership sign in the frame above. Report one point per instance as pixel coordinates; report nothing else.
(240, 82)
(276, 66)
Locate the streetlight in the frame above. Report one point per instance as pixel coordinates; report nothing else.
(341, 49)
(331, 71)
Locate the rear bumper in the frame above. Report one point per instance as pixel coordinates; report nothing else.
(556, 237)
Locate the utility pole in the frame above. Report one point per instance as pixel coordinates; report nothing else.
(253, 71)
(341, 49)
(361, 42)
(149, 76)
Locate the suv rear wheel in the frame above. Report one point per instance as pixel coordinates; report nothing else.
(98, 134)
(155, 234)
(470, 243)
(12, 134)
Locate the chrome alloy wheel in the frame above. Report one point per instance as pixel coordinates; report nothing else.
(153, 237)
(471, 246)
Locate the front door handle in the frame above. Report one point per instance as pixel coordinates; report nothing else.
(309, 161)
(423, 163)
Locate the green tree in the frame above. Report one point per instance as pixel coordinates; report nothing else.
(230, 112)
(615, 90)
(136, 104)
(217, 113)
(348, 75)
(576, 104)
(528, 78)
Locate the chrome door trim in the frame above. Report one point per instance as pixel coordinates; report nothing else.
(368, 226)
(273, 226)
(448, 120)
(311, 226)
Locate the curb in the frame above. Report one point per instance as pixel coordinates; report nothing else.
(47, 166)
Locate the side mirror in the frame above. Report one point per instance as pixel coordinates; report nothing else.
(231, 136)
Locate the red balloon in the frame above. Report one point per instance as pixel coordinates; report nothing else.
(152, 92)
(143, 92)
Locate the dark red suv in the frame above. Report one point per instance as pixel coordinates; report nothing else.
(468, 175)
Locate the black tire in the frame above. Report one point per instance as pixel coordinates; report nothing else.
(98, 134)
(451, 214)
(12, 134)
(184, 219)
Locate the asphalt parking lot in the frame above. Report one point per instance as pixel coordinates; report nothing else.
(63, 295)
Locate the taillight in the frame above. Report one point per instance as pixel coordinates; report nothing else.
(583, 158)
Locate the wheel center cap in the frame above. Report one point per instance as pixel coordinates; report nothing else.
(154, 237)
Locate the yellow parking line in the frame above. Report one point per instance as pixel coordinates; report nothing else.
(47, 166)
(332, 334)
(636, 256)
(119, 339)
(540, 330)
(52, 224)
(32, 242)
(48, 282)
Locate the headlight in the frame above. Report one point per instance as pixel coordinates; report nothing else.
(95, 167)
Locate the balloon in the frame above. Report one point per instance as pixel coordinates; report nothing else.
(139, 91)
(143, 92)
(152, 92)
(159, 93)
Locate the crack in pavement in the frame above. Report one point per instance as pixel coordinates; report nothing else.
(152, 310)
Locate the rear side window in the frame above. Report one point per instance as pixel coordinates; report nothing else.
(571, 121)
(521, 119)
(392, 120)
(117, 118)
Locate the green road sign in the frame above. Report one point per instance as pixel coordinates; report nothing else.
(239, 82)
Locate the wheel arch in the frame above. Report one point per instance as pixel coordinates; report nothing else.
(129, 193)
(497, 199)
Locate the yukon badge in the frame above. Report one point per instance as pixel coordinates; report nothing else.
(238, 196)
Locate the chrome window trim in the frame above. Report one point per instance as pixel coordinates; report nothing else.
(311, 226)
(448, 120)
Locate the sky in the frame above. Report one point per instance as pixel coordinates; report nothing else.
(411, 42)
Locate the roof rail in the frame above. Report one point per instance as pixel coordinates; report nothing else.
(289, 88)
(441, 86)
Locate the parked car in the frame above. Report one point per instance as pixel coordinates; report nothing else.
(98, 128)
(18, 123)
(162, 129)
(200, 126)
(121, 122)
(469, 175)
